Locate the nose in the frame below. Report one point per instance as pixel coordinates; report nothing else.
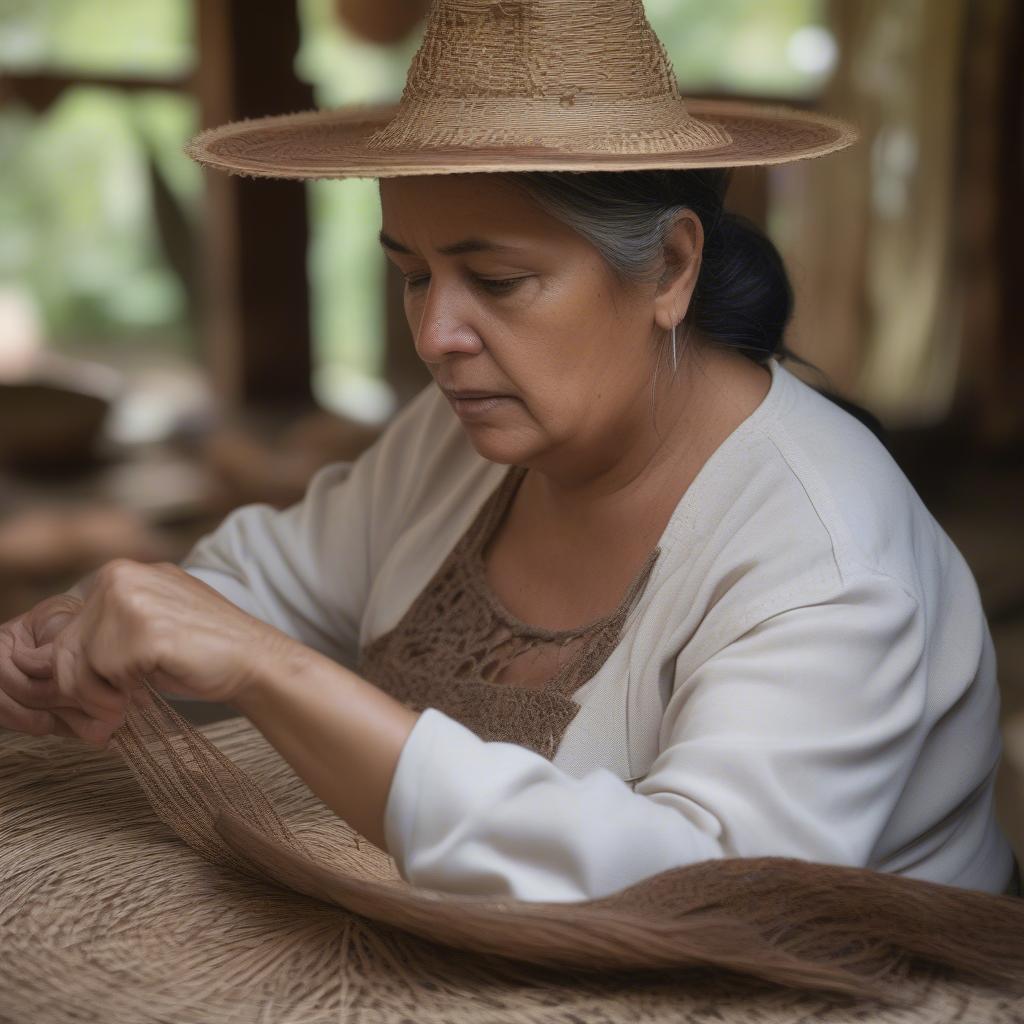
(444, 326)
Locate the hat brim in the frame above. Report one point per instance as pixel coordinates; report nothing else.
(334, 144)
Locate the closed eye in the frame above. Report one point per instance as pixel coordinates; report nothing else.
(495, 285)
(499, 285)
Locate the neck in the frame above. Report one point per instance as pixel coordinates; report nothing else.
(693, 412)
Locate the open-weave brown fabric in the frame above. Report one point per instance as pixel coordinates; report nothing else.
(459, 650)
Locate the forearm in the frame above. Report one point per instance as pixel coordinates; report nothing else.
(341, 734)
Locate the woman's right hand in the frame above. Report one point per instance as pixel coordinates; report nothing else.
(35, 706)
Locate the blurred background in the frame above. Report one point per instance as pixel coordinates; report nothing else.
(174, 344)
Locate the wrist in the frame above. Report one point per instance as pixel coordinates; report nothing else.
(273, 665)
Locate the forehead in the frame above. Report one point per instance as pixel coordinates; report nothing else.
(441, 209)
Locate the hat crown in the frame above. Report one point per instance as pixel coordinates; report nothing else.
(541, 50)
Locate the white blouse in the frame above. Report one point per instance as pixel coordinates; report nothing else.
(808, 672)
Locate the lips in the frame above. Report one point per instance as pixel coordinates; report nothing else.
(472, 394)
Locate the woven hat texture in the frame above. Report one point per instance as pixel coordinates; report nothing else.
(516, 85)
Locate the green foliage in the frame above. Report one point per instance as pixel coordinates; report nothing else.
(145, 37)
(735, 45)
(76, 218)
(76, 222)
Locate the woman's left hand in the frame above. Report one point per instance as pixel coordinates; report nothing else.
(156, 623)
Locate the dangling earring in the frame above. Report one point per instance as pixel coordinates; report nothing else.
(675, 362)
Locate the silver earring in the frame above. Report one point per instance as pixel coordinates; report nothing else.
(675, 362)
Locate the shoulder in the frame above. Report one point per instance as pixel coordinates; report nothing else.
(869, 512)
(801, 506)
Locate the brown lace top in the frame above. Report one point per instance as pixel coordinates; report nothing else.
(459, 650)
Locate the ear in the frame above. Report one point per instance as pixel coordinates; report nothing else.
(684, 246)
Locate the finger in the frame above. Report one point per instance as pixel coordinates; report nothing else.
(91, 730)
(30, 692)
(35, 662)
(27, 720)
(34, 693)
(60, 727)
(82, 687)
(53, 626)
(49, 619)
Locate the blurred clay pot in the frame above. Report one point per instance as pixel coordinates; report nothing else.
(48, 427)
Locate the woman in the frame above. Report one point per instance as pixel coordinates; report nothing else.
(616, 593)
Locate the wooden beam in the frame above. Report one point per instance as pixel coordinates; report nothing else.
(256, 324)
(748, 194)
(1011, 228)
(40, 91)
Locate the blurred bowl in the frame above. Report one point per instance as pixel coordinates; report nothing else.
(47, 428)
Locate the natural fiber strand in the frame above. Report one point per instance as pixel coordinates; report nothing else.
(105, 915)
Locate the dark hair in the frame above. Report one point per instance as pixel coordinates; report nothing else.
(743, 298)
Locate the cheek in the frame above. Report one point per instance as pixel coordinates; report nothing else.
(601, 365)
(413, 311)
(557, 326)
(586, 338)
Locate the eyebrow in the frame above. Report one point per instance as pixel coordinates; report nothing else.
(456, 249)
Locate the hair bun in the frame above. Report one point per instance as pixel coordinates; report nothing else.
(743, 297)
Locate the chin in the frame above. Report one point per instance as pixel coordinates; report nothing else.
(501, 446)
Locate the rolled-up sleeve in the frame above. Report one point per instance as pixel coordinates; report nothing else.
(272, 563)
(793, 740)
(307, 569)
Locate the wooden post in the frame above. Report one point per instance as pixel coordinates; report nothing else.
(256, 323)
(748, 194)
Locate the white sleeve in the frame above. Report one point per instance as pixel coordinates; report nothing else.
(271, 563)
(794, 740)
(308, 569)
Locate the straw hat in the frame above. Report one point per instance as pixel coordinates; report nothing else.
(526, 85)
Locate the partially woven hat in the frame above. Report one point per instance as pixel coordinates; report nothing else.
(288, 916)
(526, 85)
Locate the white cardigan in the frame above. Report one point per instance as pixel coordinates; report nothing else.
(808, 672)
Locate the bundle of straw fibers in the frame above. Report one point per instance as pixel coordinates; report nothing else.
(187, 875)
